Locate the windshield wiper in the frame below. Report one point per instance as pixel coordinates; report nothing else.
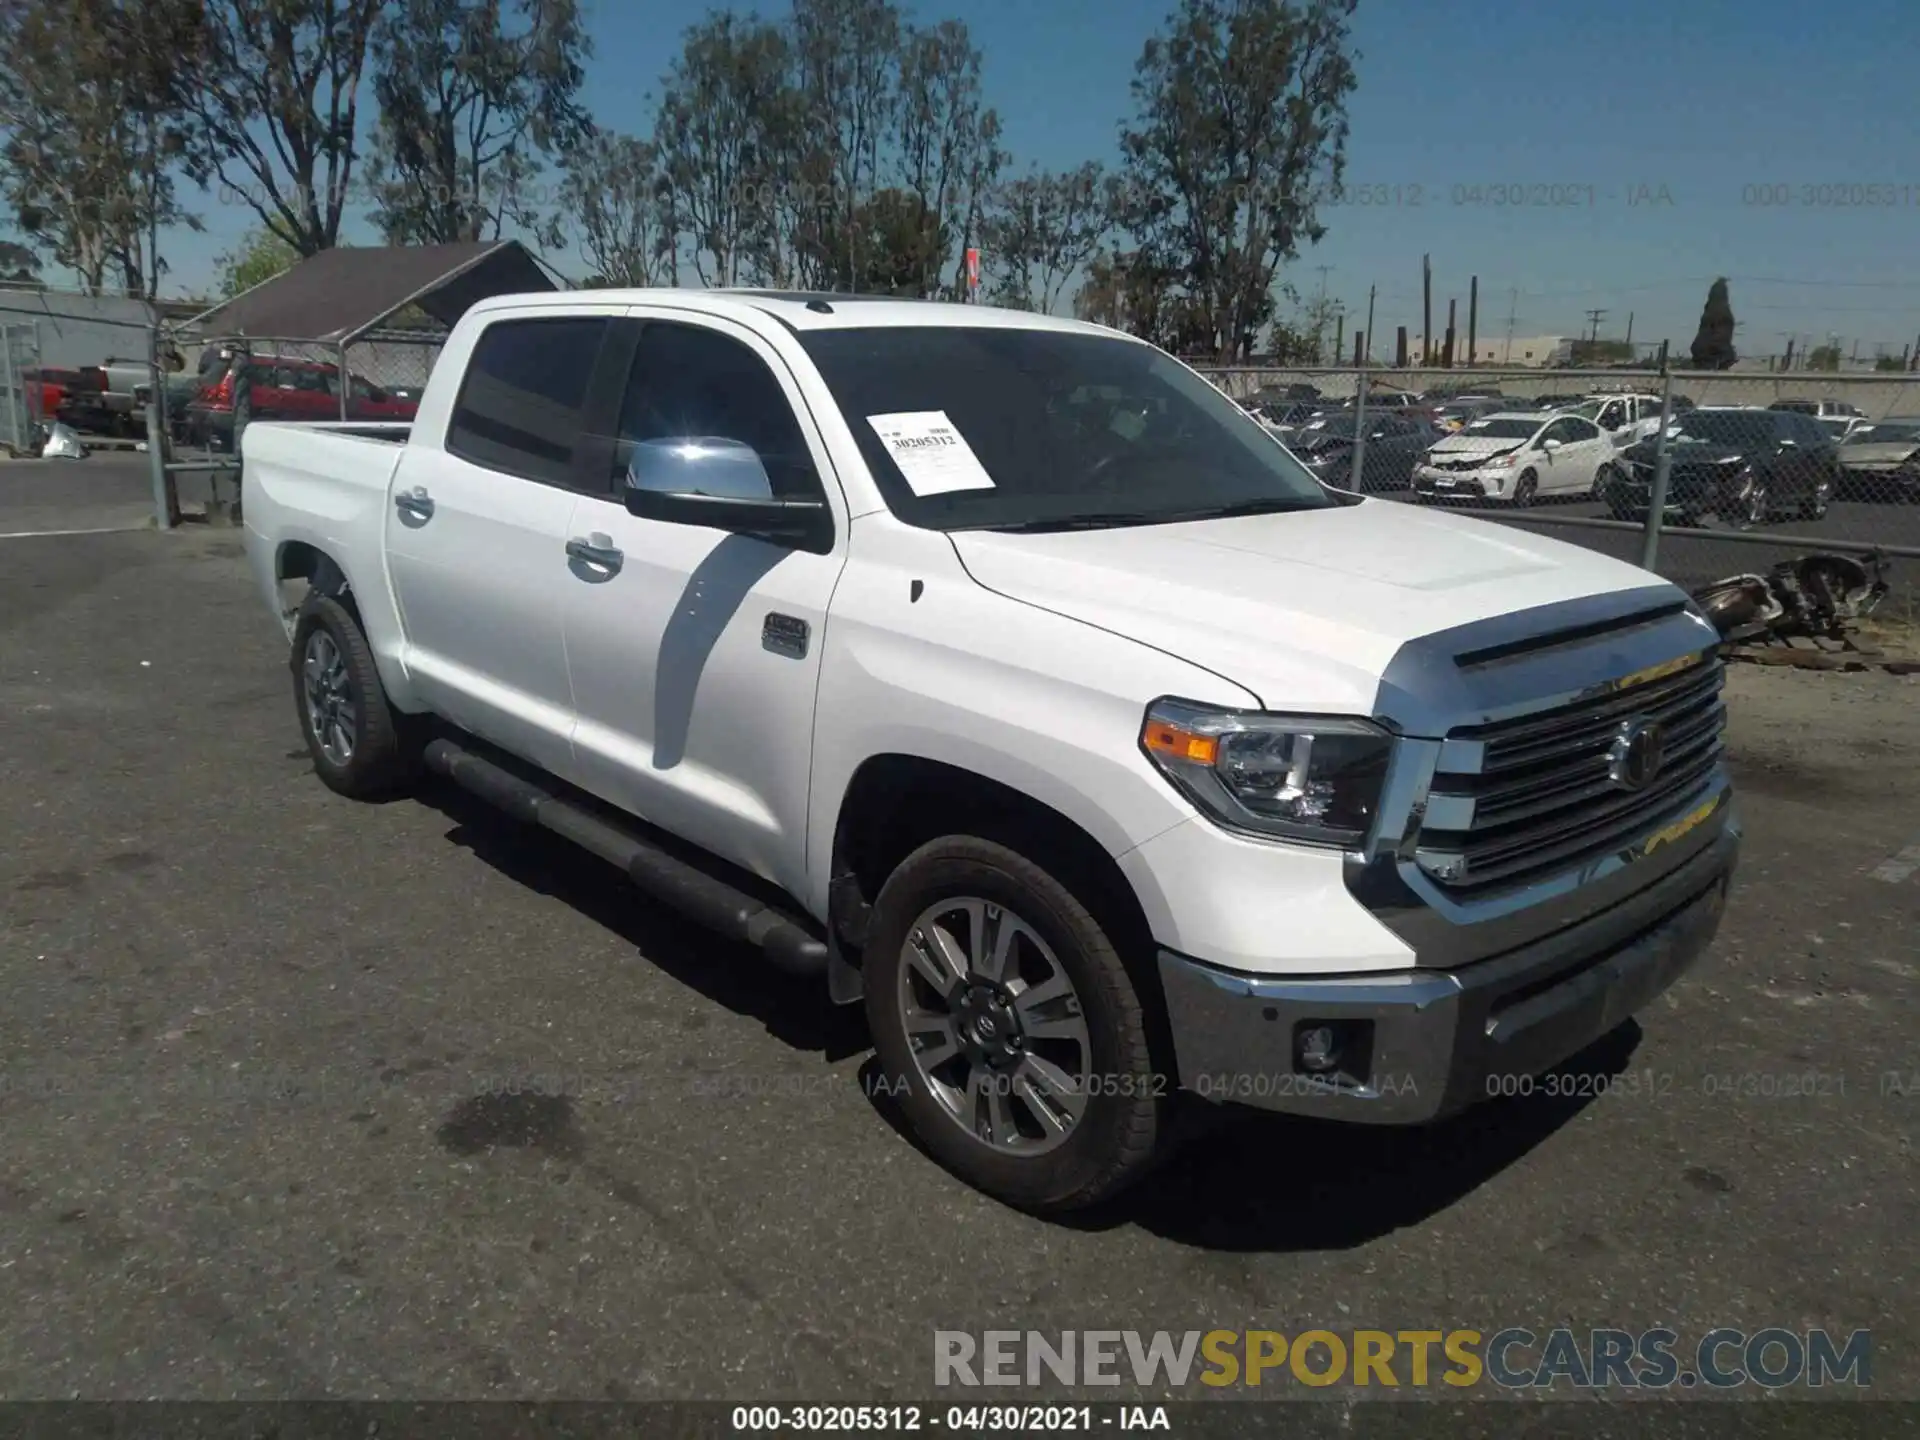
(1103, 520)
(1270, 506)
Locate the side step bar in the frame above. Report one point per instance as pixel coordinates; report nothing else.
(699, 896)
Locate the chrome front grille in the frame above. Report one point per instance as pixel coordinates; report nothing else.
(1545, 792)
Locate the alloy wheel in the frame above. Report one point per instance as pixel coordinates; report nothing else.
(997, 1030)
(332, 716)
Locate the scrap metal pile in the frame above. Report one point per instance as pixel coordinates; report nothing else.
(1803, 611)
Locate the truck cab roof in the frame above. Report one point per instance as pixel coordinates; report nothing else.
(801, 310)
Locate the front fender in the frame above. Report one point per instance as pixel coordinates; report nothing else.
(1048, 706)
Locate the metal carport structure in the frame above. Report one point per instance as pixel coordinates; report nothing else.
(338, 299)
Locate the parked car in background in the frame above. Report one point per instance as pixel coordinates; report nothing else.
(75, 396)
(1626, 417)
(1285, 417)
(1517, 456)
(1820, 409)
(1880, 460)
(1549, 402)
(1745, 465)
(1395, 442)
(1454, 414)
(280, 388)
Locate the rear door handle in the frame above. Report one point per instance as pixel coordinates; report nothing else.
(414, 502)
(596, 549)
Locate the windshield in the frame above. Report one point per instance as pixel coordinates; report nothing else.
(1499, 429)
(989, 427)
(1885, 432)
(1724, 427)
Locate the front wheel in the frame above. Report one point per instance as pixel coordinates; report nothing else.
(1754, 506)
(1603, 479)
(1525, 489)
(1009, 1029)
(1815, 505)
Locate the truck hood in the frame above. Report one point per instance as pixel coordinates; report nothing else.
(1307, 609)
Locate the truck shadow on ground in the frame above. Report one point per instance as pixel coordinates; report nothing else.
(795, 1011)
(1263, 1182)
(1238, 1180)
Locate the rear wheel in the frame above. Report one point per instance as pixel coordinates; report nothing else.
(1009, 1029)
(360, 745)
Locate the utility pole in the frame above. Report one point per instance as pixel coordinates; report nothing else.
(1513, 304)
(1339, 331)
(1369, 350)
(1473, 319)
(1594, 317)
(1629, 335)
(1446, 355)
(1426, 310)
(1320, 317)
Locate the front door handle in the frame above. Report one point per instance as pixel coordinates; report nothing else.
(596, 549)
(414, 502)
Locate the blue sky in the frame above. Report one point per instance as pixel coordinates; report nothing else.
(1666, 124)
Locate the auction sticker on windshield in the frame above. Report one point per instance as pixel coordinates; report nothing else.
(933, 456)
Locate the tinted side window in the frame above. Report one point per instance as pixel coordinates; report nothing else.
(520, 402)
(689, 382)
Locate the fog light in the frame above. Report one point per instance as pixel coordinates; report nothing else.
(1315, 1050)
(1337, 1052)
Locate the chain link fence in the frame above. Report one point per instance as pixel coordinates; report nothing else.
(20, 391)
(1695, 475)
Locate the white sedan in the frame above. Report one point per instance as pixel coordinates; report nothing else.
(1516, 456)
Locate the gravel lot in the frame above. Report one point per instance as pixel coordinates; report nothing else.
(253, 1036)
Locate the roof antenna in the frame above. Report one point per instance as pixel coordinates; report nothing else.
(819, 307)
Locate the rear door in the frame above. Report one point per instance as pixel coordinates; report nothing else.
(477, 528)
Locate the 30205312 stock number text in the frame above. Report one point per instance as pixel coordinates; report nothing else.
(1838, 195)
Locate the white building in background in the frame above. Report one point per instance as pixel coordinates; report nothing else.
(1524, 351)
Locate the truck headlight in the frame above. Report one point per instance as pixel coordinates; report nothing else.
(1315, 778)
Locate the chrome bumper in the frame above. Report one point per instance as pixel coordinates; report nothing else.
(1429, 1042)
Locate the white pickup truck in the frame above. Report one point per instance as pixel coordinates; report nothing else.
(1006, 676)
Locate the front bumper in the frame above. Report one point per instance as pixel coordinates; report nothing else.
(1426, 1043)
(1460, 484)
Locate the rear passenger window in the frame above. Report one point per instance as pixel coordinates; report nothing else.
(520, 404)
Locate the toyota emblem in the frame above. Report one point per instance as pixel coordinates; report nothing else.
(1633, 762)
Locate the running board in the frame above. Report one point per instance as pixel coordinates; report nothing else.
(701, 897)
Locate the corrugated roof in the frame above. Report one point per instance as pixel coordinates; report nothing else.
(340, 293)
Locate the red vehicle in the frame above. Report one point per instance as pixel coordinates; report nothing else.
(73, 396)
(279, 388)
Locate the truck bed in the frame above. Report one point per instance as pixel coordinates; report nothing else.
(320, 484)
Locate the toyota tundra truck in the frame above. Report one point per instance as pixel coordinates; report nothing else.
(1005, 676)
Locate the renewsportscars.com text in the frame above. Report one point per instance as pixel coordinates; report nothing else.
(1657, 1359)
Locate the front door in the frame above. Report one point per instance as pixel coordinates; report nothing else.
(695, 653)
(477, 530)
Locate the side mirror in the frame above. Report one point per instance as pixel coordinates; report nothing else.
(1789, 444)
(1551, 444)
(719, 484)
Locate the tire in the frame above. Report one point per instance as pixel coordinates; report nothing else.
(1123, 1121)
(1524, 490)
(1756, 506)
(1814, 507)
(1603, 479)
(366, 752)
